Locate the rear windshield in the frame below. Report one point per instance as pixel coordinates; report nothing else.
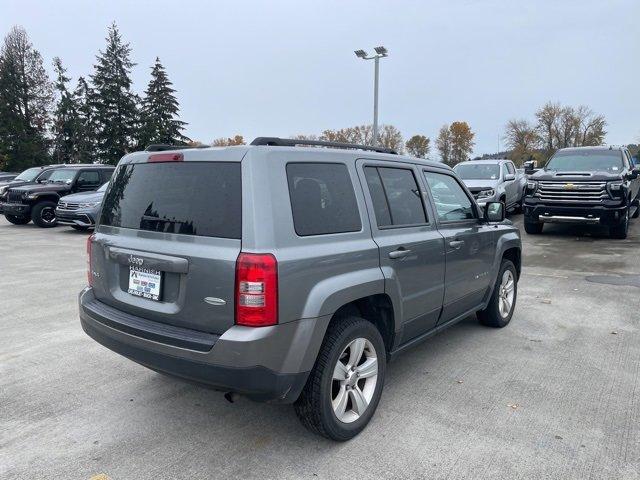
(191, 198)
(586, 161)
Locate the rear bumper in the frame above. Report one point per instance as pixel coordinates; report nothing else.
(17, 209)
(75, 217)
(266, 364)
(591, 215)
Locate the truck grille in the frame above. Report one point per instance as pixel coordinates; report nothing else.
(14, 197)
(68, 206)
(577, 192)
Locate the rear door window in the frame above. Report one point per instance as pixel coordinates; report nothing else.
(190, 198)
(396, 197)
(88, 178)
(322, 199)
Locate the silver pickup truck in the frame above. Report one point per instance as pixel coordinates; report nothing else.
(493, 181)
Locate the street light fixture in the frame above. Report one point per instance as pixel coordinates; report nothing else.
(380, 53)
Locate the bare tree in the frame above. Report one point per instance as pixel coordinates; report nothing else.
(591, 127)
(418, 146)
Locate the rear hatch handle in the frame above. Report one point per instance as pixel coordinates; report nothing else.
(153, 261)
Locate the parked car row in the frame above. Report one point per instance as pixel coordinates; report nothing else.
(582, 185)
(53, 194)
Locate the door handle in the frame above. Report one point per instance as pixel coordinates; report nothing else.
(400, 253)
(456, 244)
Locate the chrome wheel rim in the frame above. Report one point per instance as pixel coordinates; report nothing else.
(355, 376)
(506, 293)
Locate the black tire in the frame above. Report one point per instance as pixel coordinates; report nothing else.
(491, 315)
(533, 228)
(313, 407)
(636, 213)
(80, 228)
(41, 214)
(17, 220)
(620, 231)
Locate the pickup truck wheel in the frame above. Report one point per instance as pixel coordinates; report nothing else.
(44, 214)
(503, 300)
(620, 231)
(344, 387)
(16, 220)
(533, 228)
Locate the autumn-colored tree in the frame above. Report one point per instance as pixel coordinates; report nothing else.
(391, 138)
(461, 142)
(228, 142)
(443, 144)
(418, 146)
(388, 136)
(522, 139)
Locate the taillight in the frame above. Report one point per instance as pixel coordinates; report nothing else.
(256, 290)
(165, 157)
(89, 248)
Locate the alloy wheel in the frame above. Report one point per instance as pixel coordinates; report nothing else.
(355, 376)
(506, 293)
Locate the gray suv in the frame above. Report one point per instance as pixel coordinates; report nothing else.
(291, 274)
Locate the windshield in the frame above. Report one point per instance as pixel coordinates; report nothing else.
(29, 175)
(478, 171)
(599, 160)
(62, 176)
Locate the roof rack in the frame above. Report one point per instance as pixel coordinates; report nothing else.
(161, 147)
(292, 142)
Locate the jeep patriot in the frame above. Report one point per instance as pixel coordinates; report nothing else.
(291, 271)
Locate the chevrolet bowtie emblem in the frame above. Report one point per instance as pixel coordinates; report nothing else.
(569, 186)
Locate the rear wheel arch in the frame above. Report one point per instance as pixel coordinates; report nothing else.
(377, 309)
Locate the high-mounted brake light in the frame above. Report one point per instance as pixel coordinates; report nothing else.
(89, 251)
(165, 157)
(256, 290)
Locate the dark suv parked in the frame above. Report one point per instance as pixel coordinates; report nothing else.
(38, 202)
(29, 176)
(291, 274)
(587, 185)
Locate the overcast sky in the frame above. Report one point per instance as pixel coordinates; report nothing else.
(279, 68)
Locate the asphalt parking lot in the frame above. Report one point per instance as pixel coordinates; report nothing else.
(556, 394)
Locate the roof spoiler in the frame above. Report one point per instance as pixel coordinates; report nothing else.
(291, 142)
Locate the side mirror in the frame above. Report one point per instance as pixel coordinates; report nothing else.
(509, 177)
(494, 212)
(528, 168)
(634, 173)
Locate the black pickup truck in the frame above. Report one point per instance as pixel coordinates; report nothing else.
(588, 185)
(38, 202)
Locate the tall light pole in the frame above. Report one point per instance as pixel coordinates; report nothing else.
(380, 53)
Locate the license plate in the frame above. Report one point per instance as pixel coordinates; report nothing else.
(145, 283)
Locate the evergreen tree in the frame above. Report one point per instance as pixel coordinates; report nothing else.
(114, 104)
(85, 144)
(25, 100)
(65, 119)
(159, 112)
